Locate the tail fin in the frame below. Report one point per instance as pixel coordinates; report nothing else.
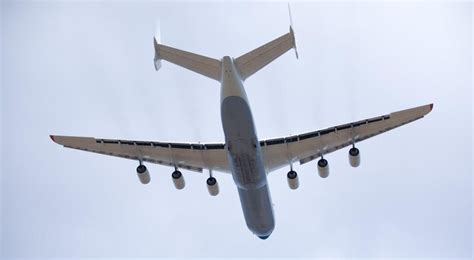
(200, 64)
(157, 59)
(292, 32)
(156, 41)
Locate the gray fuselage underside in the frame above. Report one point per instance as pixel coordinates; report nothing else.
(244, 152)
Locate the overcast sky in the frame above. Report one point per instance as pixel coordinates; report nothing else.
(86, 69)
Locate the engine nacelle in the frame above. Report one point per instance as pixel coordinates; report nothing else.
(323, 168)
(212, 186)
(143, 174)
(178, 180)
(354, 157)
(292, 178)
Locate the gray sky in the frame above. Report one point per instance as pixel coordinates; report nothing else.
(86, 69)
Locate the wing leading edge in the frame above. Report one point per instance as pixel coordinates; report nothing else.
(277, 152)
(194, 157)
(309, 146)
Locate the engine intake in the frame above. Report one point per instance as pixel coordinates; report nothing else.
(212, 186)
(143, 174)
(354, 157)
(178, 180)
(292, 178)
(323, 168)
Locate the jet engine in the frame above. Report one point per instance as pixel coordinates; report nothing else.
(323, 168)
(354, 157)
(178, 180)
(212, 186)
(143, 174)
(292, 178)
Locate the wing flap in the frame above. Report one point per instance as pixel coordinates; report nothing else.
(195, 157)
(309, 146)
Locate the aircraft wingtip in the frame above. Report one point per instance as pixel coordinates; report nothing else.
(431, 107)
(52, 138)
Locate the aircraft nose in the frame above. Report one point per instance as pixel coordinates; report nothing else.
(264, 234)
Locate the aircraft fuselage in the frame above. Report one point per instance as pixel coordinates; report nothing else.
(244, 153)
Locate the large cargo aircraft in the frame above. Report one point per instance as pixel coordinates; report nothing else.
(242, 154)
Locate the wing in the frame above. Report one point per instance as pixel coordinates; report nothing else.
(195, 157)
(309, 146)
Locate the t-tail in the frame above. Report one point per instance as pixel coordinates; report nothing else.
(247, 64)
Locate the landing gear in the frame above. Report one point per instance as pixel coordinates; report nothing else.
(178, 179)
(143, 174)
(292, 178)
(354, 156)
(212, 185)
(323, 168)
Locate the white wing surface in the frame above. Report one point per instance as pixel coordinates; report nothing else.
(194, 157)
(309, 146)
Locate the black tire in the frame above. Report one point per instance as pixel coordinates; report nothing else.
(292, 175)
(322, 163)
(176, 175)
(211, 181)
(141, 169)
(354, 151)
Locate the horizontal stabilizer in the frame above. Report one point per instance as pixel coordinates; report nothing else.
(255, 60)
(205, 66)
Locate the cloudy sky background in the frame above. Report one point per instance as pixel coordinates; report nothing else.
(86, 69)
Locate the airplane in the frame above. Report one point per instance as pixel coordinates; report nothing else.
(242, 154)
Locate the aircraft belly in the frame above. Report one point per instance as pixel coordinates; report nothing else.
(244, 152)
(258, 211)
(245, 167)
(244, 155)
